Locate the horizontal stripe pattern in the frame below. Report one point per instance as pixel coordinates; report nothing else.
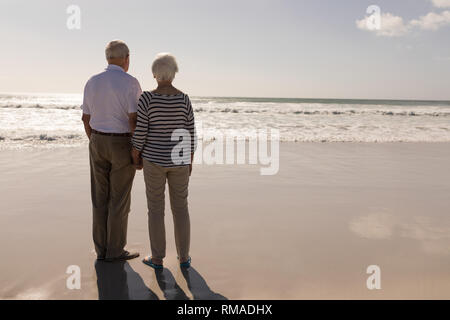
(165, 131)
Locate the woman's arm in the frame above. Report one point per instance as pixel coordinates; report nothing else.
(191, 125)
(192, 131)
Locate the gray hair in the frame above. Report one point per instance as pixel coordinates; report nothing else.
(116, 49)
(164, 67)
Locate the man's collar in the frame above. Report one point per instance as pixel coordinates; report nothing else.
(114, 67)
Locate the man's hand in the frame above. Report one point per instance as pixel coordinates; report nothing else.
(137, 159)
(87, 128)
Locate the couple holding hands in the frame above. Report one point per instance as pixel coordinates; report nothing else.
(157, 129)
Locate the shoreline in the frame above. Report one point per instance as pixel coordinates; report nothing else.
(53, 146)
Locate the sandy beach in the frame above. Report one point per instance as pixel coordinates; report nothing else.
(308, 232)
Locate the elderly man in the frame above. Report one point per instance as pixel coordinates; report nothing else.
(109, 116)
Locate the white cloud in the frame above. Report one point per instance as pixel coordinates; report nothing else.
(441, 3)
(432, 21)
(390, 26)
(394, 26)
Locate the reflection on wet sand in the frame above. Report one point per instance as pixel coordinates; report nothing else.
(379, 225)
(118, 281)
(433, 234)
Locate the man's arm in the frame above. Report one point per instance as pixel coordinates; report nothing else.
(133, 100)
(132, 120)
(140, 129)
(86, 118)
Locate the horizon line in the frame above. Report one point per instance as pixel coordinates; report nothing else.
(252, 97)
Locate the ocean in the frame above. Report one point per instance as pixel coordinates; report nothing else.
(54, 120)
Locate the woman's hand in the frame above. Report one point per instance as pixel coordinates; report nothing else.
(137, 159)
(190, 165)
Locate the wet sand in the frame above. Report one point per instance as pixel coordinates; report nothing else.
(308, 232)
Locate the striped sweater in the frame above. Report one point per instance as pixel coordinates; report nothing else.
(165, 132)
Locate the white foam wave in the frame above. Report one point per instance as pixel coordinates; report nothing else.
(54, 120)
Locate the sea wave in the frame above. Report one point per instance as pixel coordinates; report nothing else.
(329, 112)
(262, 110)
(38, 106)
(42, 137)
(42, 140)
(55, 120)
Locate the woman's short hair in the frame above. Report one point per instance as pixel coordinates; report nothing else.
(164, 67)
(116, 49)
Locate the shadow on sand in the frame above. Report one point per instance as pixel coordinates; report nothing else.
(169, 286)
(198, 286)
(118, 281)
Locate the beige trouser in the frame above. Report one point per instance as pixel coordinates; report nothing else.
(155, 181)
(112, 174)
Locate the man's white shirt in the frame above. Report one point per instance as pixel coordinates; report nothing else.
(109, 97)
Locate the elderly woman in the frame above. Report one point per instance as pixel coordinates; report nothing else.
(163, 144)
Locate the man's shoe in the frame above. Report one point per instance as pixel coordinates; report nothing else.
(124, 256)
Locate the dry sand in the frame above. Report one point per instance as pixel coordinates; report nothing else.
(308, 232)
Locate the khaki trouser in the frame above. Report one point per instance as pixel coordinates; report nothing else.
(155, 181)
(112, 174)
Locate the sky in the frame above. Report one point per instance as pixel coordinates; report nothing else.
(240, 48)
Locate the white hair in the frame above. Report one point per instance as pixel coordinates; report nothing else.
(116, 49)
(164, 67)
